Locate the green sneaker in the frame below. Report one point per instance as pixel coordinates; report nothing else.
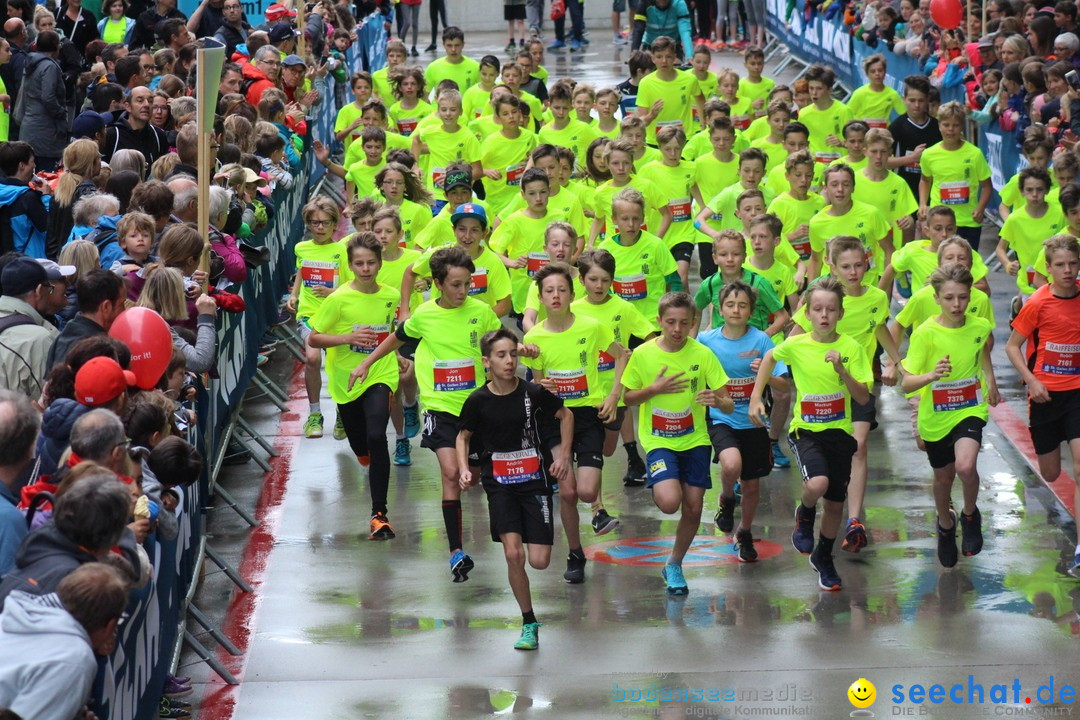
(530, 637)
(339, 428)
(313, 426)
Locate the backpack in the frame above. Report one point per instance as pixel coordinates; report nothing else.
(14, 320)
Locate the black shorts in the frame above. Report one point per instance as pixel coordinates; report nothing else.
(941, 453)
(513, 12)
(588, 446)
(441, 431)
(683, 251)
(752, 443)
(526, 513)
(865, 413)
(616, 424)
(1054, 422)
(825, 453)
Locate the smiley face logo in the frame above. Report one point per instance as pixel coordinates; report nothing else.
(862, 693)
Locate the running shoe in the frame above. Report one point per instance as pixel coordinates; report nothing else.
(1075, 569)
(412, 420)
(673, 578)
(635, 474)
(575, 46)
(402, 453)
(779, 459)
(430, 48)
(620, 40)
(364, 460)
(575, 568)
(744, 546)
(460, 566)
(828, 578)
(855, 537)
(381, 529)
(802, 537)
(172, 712)
(511, 47)
(175, 689)
(946, 544)
(556, 45)
(530, 637)
(313, 425)
(602, 523)
(414, 52)
(339, 428)
(725, 516)
(971, 533)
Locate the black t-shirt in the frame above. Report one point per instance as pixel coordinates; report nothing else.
(908, 136)
(506, 429)
(627, 97)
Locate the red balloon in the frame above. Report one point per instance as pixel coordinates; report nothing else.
(148, 337)
(947, 14)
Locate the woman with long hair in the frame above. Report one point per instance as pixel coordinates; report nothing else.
(82, 163)
(164, 293)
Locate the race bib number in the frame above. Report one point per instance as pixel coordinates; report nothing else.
(672, 423)
(803, 248)
(877, 123)
(869, 257)
(606, 363)
(955, 193)
(741, 122)
(537, 260)
(317, 273)
(826, 157)
(405, 126)
(956, 394)
(381, 333)
(680, 209)
(514, 173)
(453, 375)
(823, 408)
(438, 177)
(569, 384)
(740, 388)
(511, 468)
(669, 123)
(630, 287)
(1030, 271)
(1060, 359)
(479, 282)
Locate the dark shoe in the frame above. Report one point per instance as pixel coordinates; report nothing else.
(575, 568)
(635, 474)
(175, 689)
(946, 544)
(802, 537)
(460, 566)
(602, 523)
(430, 48)
(381, 529)
(971, 528)
(725, 516)
(855, 537)
(744, 546)
(414, 52)
(828, 578)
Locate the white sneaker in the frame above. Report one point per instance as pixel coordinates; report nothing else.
(620, 40)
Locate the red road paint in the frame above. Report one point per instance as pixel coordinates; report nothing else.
(1017, 432)
(219, 699)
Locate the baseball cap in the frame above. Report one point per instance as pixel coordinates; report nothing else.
(57, 272)
(101, 380)
(87, 124)
(282, 31)
(469, 210)
(986, 43)
(22, 275)
(292, 60)
(456, 180)
(277, 12)
(250, 176)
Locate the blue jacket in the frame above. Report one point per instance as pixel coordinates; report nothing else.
(56, 424)
(24, 215)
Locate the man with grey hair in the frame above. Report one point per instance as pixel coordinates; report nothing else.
(185, 199)
(99, 436)
(187, 148)
(89, 519)
(263, 71)
(19, 425)
(1066, 48)
(25, 336)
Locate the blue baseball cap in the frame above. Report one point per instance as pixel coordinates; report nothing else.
(469, 210)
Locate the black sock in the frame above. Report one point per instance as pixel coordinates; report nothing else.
(824, 546)
(577, 552)
(528, 617)
(631, 452)
(451, 513)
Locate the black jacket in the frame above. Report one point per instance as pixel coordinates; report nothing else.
(150, 141)
(78, 328)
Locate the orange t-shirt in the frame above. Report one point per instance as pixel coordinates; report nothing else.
(1053, 348)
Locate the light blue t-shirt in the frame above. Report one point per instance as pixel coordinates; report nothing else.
(735, 356)
(12, 529)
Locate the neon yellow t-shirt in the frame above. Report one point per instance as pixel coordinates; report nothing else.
(741, 113)
(679, 96)
(508, 156)
(484, 126)
(892, 196)
(362, 176)
(465, 73)
(875, 107)
(575, 136)
(346, 116)
(641, 272)
(724, 205)
(448, 364)
(532, 300)
(406, 120)
(863, 315)
(1012, 198)
(757, 90)
(713, 176)
(957, 175)
(758, 129)
(776, 179)
(440, 231)
(1025, 236)
(654, 199)
(570, 358)
(864, 222)
(346, 310)
(380, 85)
(325, 265)
(565, 206)
(673, 421)
(624, 320)
(919, 259)
(490, 283)
(393, 271)
(922, 306)
(444, 148)
(960, 394)
(522, 236)
(414, 218)
(674, 184)
(822, 124)
(780, 275)
(793, 213)
(355, 153)
(822, 400)
(775, 154)
(473, 102)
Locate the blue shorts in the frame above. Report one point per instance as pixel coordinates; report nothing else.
(687, 466)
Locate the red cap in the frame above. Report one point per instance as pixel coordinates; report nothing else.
(100, 381)
(277, 11)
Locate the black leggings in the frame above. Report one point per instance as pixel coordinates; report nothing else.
(435, 9)
(365, 420)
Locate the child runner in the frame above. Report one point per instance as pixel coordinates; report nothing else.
(411, 107)
(475, 98)
(948, 361)
(724, 204)
(560, 239)
(755, 87)
(667, 96)
(1024, 231)
(739, 109)
(584, 97)
(349, 325)
(673, 378)
(1037, 147)
(403, 190)
(885, 190)
(875, 102)
(446, 143)
(830, 371)
(448, 359)
(729, 253)
(854, 135)
(567, 360)
(657, 216)
(1050, 367)
(516, 467)
(846, 216)
(921, 257)
(741, 448)
(914, 131)
(826, 117)
(797, 205)
(714, 172)
(772, 143)
(565, 130)
(607, 102)
(674, 178)
(396, 55)
(453, 65)
(349, 119)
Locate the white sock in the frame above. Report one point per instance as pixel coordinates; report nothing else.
(1078, 549)
(410, 404)
(400, 437)
(314, 407)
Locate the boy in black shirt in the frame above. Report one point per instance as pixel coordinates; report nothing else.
(516, 467)
(640, 64)
(913, 132)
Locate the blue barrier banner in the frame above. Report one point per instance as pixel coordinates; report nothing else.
(817, 40)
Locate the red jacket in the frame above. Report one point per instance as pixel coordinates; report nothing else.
(257, 83)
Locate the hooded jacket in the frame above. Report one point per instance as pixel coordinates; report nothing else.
(56, 424)
(255, 83)
(24, 216)
(150, 141)
(48, 666)
(44, 123)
